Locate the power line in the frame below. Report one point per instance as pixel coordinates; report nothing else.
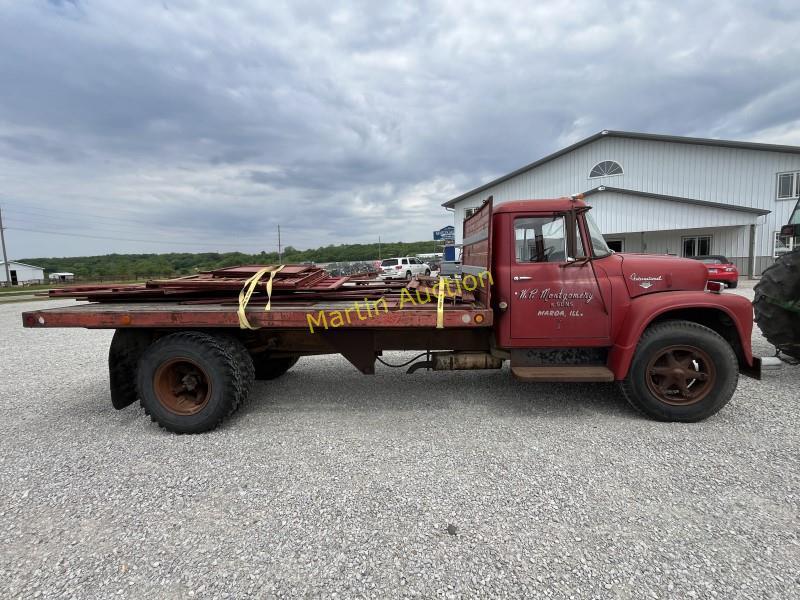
(100, 237)
(81, 217)
(84, 231)
(19, 222)
(57, 214)
(27, 205)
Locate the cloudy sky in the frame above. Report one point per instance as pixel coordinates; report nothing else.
(139, 126)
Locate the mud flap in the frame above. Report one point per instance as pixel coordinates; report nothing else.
(761, 365)
(127, 347)
(358, 347)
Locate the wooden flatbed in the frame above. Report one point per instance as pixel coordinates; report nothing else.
(166, 315)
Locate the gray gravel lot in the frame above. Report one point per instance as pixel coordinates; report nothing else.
(332, 483)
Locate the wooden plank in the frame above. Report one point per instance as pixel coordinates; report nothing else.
(181, 316)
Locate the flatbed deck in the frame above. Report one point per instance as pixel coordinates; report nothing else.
(171, 315)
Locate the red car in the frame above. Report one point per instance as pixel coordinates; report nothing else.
(720, 269)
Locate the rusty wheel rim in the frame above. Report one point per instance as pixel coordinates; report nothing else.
(182, 386)
(681, 375)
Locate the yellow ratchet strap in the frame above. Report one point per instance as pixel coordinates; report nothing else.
(440, 305)
(247, 291)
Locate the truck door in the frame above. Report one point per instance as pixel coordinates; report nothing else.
(553, 296)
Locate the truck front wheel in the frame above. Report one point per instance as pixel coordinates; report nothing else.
(682, 371)
(189, 382)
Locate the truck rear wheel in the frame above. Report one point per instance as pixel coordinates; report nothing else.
(682, 371)
(189, 382)
(267, 367)
(244, 363)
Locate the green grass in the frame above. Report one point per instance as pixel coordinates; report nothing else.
(21, 299)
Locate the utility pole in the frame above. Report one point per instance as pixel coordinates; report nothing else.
(379, 248)
(3, 244)
(280, 254)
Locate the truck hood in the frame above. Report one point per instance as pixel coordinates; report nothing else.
(650, 273)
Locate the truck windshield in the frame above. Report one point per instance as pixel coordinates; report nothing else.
(599, 245)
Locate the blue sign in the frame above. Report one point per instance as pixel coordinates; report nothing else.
(445, 234)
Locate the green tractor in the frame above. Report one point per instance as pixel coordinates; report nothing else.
(777, 295)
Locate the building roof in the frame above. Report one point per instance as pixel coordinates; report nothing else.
(633, 135)
(16, 262)
(736, 207)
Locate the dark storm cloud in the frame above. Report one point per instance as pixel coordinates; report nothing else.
(216, 122)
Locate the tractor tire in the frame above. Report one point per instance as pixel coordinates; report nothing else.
(682, 371)
(189, 382)
(780, 285)
(267, 368)
(126, 348)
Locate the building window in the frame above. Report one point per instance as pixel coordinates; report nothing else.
(784, 244)
(616, 245)
(699, 245)
(788, 185)
(468, 212)
(607, 168)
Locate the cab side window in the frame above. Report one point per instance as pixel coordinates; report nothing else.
(540, 239)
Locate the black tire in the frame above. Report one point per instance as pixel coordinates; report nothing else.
(679, 339)
(267, 368)
(409, 275)
(244, 363)
(126, 348)
(427, 272)
(780, 284)
(733, 285)
(222, 381)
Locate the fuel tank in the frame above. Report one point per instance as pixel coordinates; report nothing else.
(650, 273)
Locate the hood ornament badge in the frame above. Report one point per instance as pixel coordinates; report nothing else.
(647, 280)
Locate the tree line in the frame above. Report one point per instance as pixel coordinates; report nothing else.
(132, 266)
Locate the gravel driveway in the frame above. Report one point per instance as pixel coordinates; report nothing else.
(333, 483)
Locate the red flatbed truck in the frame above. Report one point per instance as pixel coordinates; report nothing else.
(561, 307)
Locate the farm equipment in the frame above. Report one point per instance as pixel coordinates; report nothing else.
(539, 289)
(777, 295)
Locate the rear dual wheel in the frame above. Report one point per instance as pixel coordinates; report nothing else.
(188, 382)
(682, 371)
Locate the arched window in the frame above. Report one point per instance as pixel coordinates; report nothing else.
(606, 169)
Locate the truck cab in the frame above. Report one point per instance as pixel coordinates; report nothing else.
(567, 308)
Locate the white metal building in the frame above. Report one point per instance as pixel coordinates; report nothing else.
(20, 273)
(664, 194)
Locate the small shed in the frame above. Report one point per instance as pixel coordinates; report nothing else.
(20, 273)
(61, 277)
